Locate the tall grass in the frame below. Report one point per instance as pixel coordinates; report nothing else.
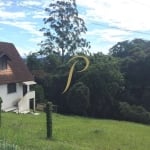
(73, 133)
(6, 146)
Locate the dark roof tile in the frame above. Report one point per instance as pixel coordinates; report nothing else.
(17, 71)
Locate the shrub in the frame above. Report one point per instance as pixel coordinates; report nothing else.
(134, 113)
(39, 93)
(78, 99)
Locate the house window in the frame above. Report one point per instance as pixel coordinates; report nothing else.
(11, 87)
(3, 63)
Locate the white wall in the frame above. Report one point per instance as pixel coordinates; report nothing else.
(10, 99)
(24, 103)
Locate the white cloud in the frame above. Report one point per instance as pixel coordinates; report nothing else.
(39, 15)
(34, 3)
(25, 50)
(11, 15)
(36, 39)
(28, 26)
(29, 3)
(104, 39)
(3, 3)
(22, 51)
(113, 35)
(122, 13)
(100, 48)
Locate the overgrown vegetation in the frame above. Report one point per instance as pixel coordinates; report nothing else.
(78, 99)
(73, 133)
(134, 113)
(108, 81)
(121, 76)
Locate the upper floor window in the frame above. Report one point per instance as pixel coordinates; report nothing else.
(3, 63)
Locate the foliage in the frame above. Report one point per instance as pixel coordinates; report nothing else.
(78, 99)
(121, 76)
(129, 48)
(39, 91)
(134, 113)
(53, 87)
(63, 29)
(51, 62)
(104, 81)
(33, 62)
(135, 65)
(73, 133)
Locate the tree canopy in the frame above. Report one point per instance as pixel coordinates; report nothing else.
(116, 85)
(63, 29)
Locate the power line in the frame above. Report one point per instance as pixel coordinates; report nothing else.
(122, 29)
(113, 27)
(108, 26)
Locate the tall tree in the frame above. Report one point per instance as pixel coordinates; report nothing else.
(128, 48)
(63, 29)
(33, 62)
(135, 65)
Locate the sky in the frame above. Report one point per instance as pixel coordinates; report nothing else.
(107, 21)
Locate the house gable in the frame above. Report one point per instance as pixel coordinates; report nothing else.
(3, 61)
(13, 69)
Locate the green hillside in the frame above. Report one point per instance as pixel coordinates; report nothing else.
(73, 133)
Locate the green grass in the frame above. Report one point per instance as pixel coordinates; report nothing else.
(6, 146)
(73, 133)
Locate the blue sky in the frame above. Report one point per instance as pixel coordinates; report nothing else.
(108, 22)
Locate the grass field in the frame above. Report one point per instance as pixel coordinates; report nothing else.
(73, 133)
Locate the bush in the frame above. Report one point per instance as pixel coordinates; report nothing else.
(134, 113)
(39, 93)
(78, 99)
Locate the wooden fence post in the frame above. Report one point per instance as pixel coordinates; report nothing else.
(0, 111)
(49, 119)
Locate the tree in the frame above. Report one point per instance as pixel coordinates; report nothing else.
(104, 80)
(33, 62)
(64, 29)
(120, 49)
(135, 65)
(134, 113)
(51, 62)
(39, 90)
(132, 48)
(78, 99)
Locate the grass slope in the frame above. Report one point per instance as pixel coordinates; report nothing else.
(73, 133)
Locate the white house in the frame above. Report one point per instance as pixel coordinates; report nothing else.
(15, 81)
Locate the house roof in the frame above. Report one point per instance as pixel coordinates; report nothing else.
(4, 55)
(17, 70)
